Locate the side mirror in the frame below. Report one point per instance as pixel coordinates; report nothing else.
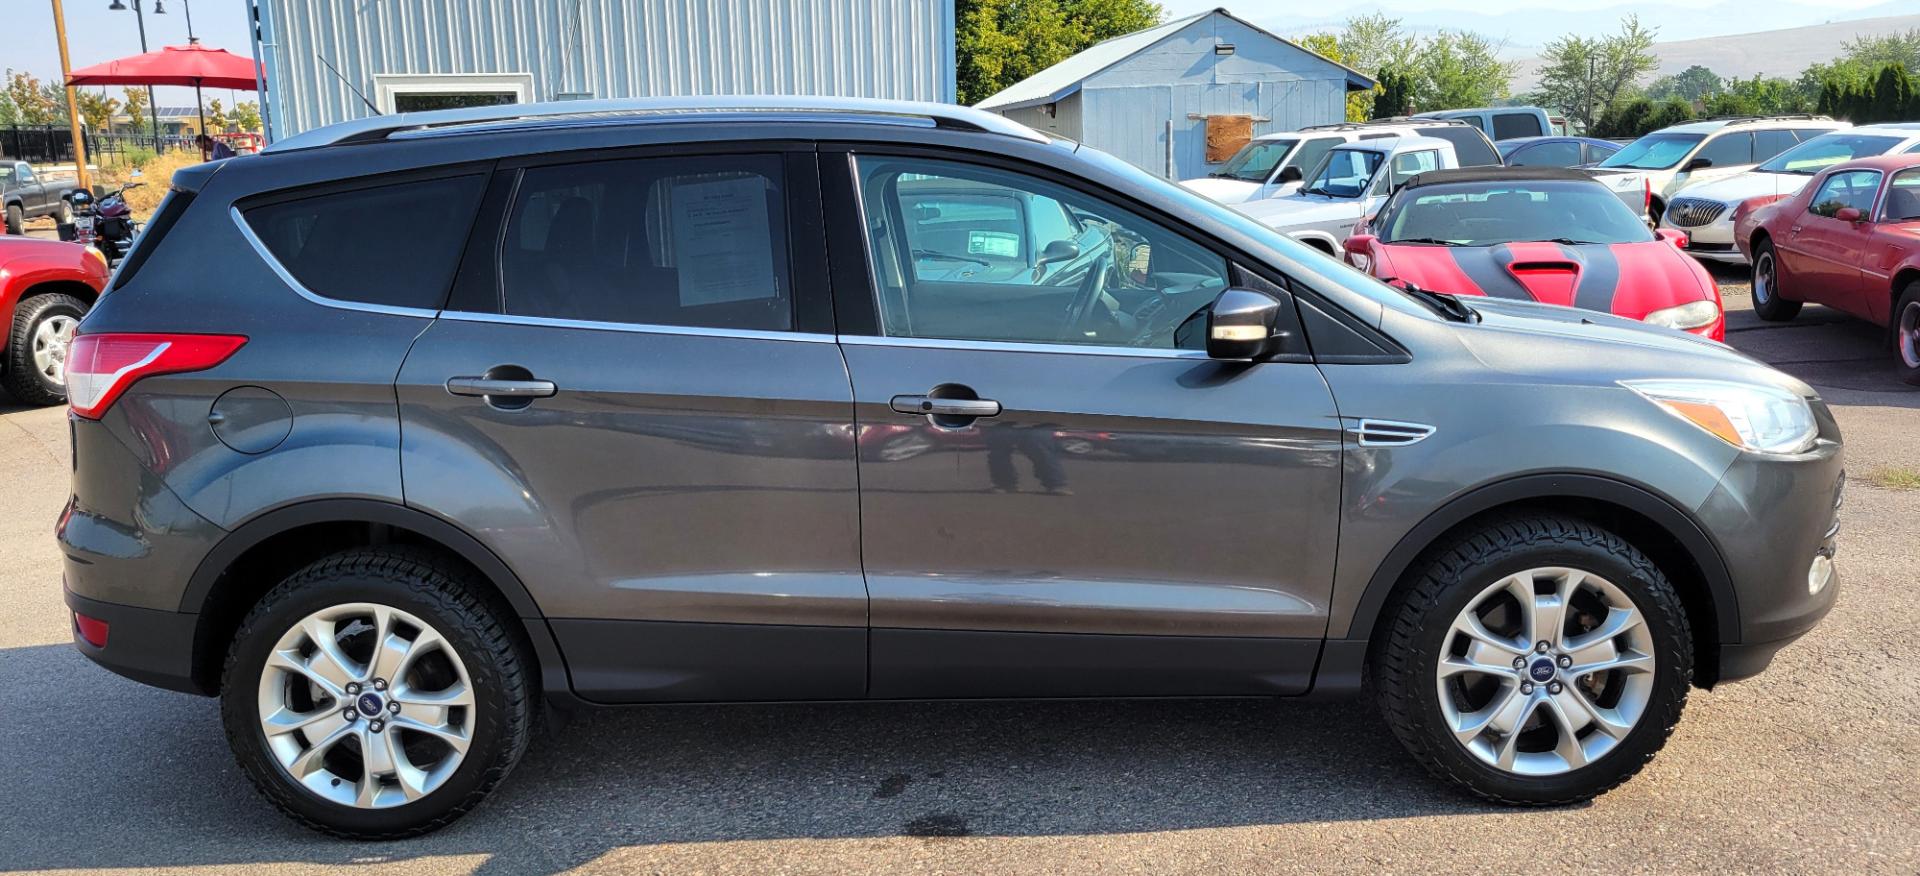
(1058, 251)
(1673, 235)
(1245, 325)
(1696, 164)
(1359, 244)
(1849, 214)
(1291, 174)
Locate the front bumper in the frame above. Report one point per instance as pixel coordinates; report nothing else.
(1772, 516)
(1712, 241)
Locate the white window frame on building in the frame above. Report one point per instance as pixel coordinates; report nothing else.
(389, 87)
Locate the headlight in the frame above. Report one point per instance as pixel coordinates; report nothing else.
(1690, 315)
(1752, 417)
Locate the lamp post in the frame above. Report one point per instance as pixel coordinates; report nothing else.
(159, 8)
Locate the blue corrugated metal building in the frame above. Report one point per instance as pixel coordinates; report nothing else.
(1145, 97)
(331, 60)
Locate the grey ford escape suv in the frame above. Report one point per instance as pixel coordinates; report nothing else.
(398, 431)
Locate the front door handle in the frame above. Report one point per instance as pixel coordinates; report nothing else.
(490, 388)
(945, 407)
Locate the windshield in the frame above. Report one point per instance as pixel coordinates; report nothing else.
(6, 174)
(1489, 213)
(1506, 147)
(1256, 161)
(1345, 173)
(1810, 157)
(1654, 151)
(1314, 269)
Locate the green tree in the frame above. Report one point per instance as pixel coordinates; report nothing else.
(1582, 75)
(1394, 96)
(1367, 42)
(1457, 69)
(96, 109)
(1877, 50)
(217, 119)
(134, 102)
(1694, 83)
(1326, 45)
(1627, 118)
(1000, 42)
(33, 101)
(1892, 92)
(246, 116)
(1667, 113)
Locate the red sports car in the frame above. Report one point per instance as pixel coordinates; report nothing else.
(1850, 239)
(1536, 234)
(45, 288)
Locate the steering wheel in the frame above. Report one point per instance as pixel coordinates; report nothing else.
(1092, 289)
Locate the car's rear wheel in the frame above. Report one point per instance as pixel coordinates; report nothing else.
(1906, 333)
(1767, 302)
(375, 695)
(1538, 660)
(16, 219)
(43, 328)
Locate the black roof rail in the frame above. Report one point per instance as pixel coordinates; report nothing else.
(1387, 120)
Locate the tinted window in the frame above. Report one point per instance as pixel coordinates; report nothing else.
(1655, 151)
(1406, 166)
(654, 241)
(1310, 153)
(1486, 213)
(1507, 126)
(1561, 153)
(1469, 145)
(989, 273)
(1597, 153)
(1767, 144)
(1903, 197)
(1818, 153)
(394, 245)
(1730, 150)
(1851, 188)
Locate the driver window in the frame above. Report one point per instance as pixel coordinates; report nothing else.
(964, 252)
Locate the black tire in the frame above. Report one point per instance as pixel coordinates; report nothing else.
(23, 380)
(499, 664)
(1416, 623)
(64, 216)
(1906, 334)
(16, 219)
(1767, 303)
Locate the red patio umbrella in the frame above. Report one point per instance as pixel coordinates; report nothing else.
(193, 65)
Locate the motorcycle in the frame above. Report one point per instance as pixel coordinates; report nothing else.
(108, 225)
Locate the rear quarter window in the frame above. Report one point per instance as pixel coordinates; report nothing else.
(1469, 145)
(1507, 126)
(393, 245)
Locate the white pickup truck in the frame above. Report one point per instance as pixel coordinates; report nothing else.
(1348, 186)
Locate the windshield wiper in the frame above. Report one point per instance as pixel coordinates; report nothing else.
(1568, 241)
(1445, 303)
(1428, 240)
(947, 256)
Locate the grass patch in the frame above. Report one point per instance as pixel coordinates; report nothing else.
(1895, 478)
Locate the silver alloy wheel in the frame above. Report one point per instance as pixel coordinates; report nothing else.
(1545, 671)
(1763, 278)
(1908, 334)
(51, 340)
(366, 706)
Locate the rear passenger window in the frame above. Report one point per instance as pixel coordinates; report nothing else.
(651, 241)
(1767, 144)
(1469, 145)
(1560, 153)
(392, 245)
(1731, 150)
(1507, 126)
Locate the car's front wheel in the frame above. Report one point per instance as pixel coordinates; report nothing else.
(1767, 302)
(1906, 333)
(1538, 660)
(375, 694)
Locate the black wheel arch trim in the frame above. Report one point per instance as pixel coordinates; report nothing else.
(1670, 517)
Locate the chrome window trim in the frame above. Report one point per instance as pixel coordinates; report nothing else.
(636, 327)
(1879, 213)
(260, 249)
(1020, 347)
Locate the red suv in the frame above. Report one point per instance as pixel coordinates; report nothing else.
(46, 286)
(1850, 240)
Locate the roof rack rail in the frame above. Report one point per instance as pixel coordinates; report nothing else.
(1386, 120)
(1734, 120)
(376, 128)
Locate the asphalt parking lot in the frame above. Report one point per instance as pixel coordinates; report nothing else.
(1811, 768)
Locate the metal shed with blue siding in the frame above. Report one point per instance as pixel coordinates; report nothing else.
(331, 60)
(1145, 97)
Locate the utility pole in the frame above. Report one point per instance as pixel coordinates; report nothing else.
(73, 105)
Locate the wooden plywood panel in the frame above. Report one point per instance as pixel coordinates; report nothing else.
(1226, 134)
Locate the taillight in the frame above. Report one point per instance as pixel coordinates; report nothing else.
(1646, 202)
(101, 367)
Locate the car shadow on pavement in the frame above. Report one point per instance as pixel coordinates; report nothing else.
(128, 776)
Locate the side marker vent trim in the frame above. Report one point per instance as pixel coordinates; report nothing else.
(1390, 433)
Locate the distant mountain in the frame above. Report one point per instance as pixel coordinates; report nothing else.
(1783, 52)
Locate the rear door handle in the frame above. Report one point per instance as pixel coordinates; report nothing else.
(486, 388)
(946, 407)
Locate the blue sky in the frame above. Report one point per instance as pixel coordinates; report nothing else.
(97, 34)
